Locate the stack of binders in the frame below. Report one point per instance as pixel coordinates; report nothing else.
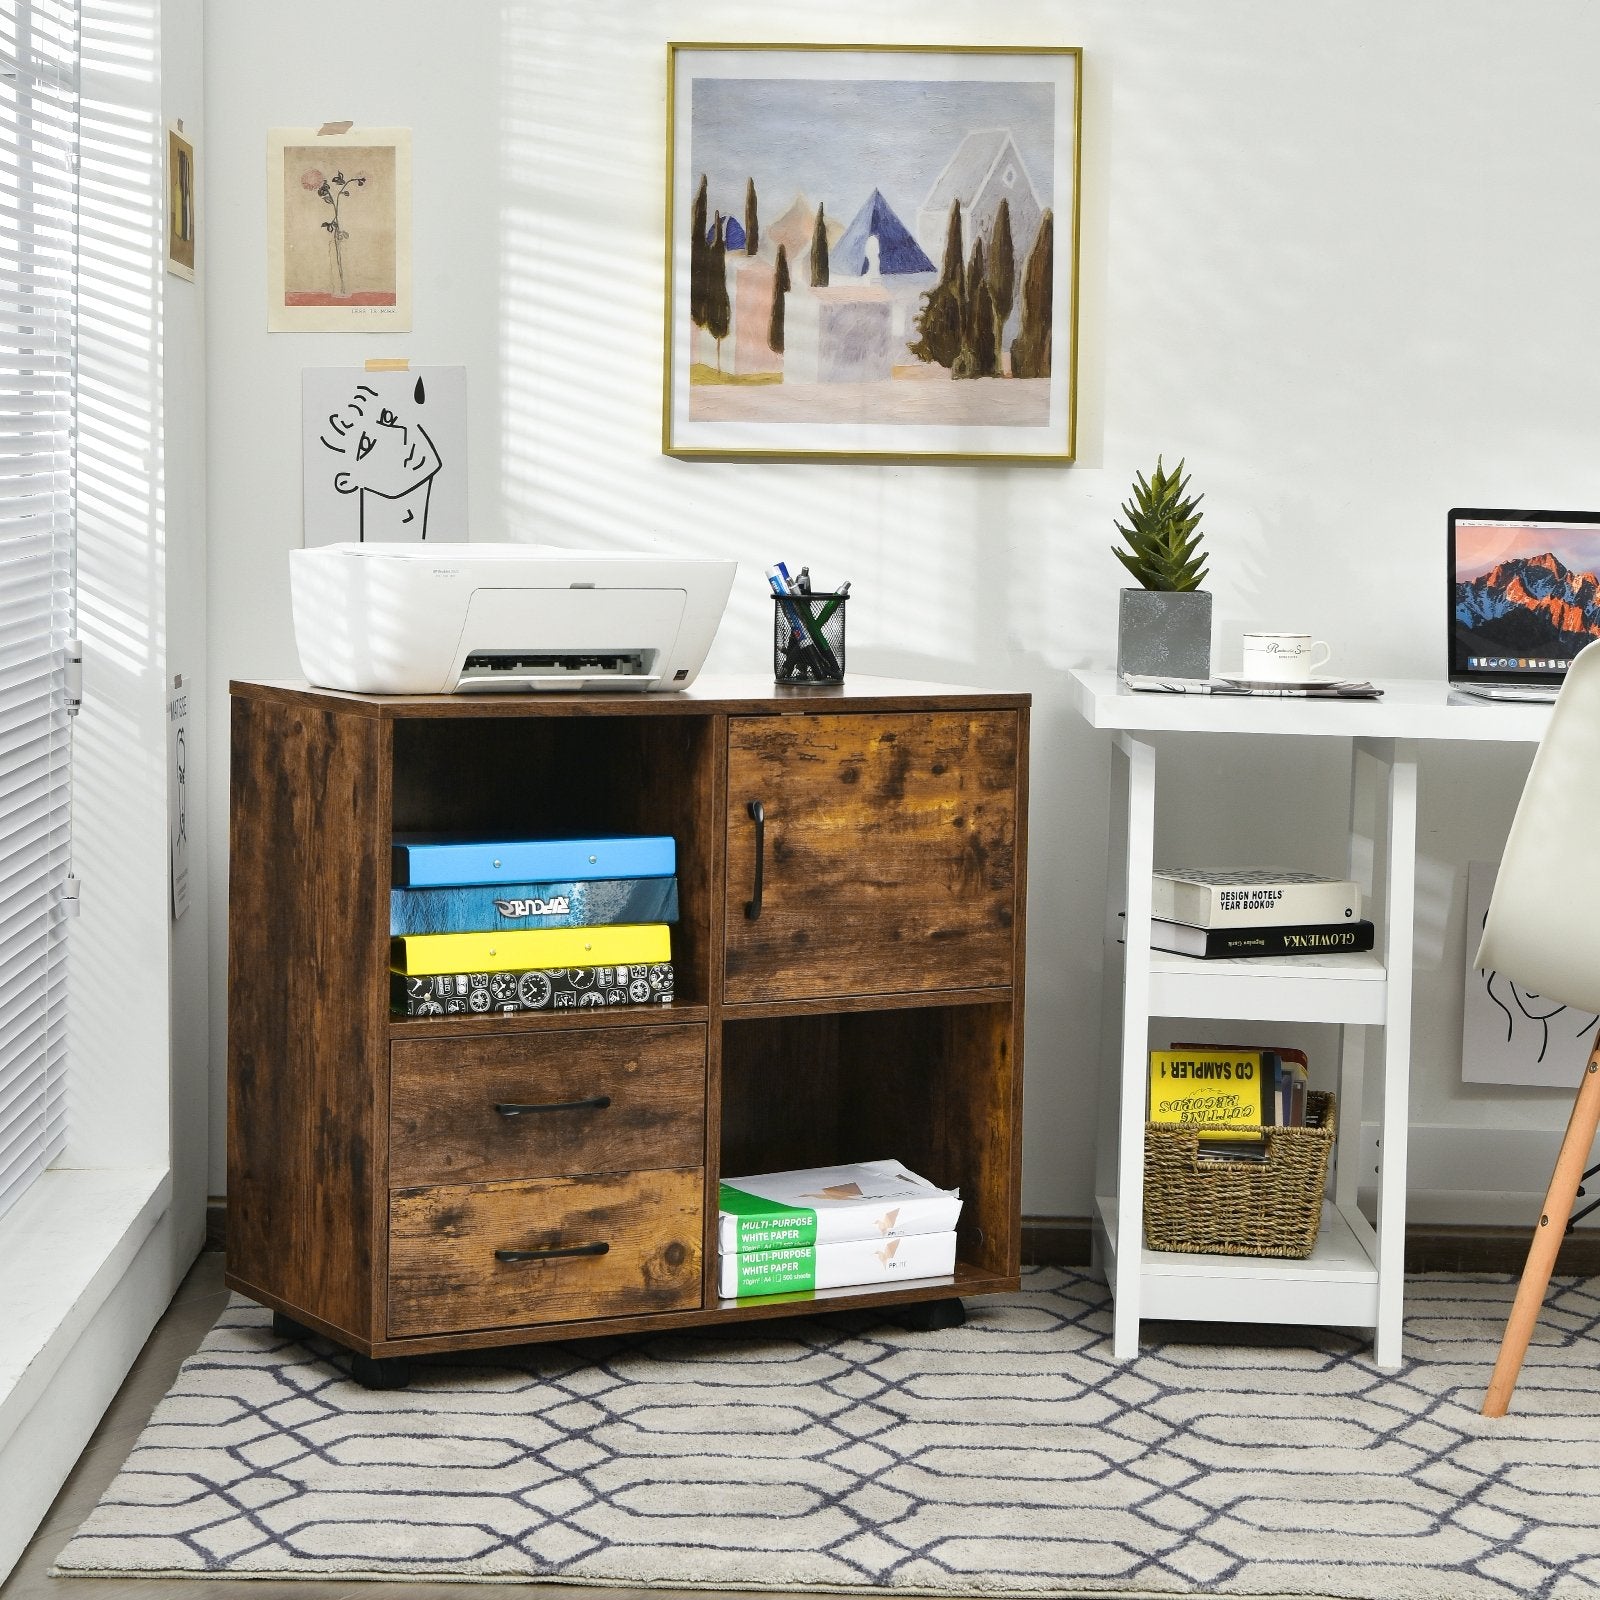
(872, 1223)
(530, 924)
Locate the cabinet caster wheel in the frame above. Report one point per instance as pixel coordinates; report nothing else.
(929, 1316)
(380, 1372)
(287, 1328)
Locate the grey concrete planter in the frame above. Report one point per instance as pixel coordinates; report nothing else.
(1164, 634)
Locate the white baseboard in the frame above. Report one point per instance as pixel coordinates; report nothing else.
(86, 1324)
(1473, 1177)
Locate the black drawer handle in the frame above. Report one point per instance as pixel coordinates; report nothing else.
(595, 1102)
(599, 1248)
(752, 907)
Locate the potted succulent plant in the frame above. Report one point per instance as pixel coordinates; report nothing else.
(1163, 626)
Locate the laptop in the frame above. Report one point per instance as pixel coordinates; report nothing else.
(1524, 599)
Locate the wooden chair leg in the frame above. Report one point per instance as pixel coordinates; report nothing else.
(1547, 1238)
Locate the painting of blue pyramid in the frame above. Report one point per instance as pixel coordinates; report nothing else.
(898, 252)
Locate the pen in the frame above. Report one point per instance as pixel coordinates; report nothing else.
(806, 615)
(833, 605)
(799, 641)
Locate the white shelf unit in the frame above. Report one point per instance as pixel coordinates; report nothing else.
(1355, 1276)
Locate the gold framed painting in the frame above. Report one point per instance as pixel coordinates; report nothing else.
(180, 202)
(872, 252)
(339, 230)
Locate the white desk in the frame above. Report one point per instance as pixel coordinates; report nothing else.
(1355, 1277)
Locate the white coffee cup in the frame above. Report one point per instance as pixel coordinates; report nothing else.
(1286, 657)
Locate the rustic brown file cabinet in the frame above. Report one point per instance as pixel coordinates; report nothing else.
(849, 959)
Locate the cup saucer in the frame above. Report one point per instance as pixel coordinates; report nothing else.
(1315, 680)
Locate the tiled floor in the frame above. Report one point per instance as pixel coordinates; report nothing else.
(188, 1319)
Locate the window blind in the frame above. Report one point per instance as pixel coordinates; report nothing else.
(38, 250)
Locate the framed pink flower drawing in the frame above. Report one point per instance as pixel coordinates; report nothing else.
(339, 230)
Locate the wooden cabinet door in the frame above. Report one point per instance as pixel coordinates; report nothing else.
(888, 858)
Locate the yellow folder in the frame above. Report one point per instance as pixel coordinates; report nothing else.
(611, 945)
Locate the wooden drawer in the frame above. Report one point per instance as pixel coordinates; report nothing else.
(445, 1277)
(443, 1093)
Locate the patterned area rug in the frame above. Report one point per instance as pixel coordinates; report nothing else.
(1009, 1457)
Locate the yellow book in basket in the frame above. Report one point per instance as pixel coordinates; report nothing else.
(1224, 1094)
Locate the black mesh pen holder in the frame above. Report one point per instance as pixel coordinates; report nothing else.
(808, 638)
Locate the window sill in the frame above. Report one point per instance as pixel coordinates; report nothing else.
(64, 1246)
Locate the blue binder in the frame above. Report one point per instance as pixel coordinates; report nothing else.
(576, 903)
(440, 861)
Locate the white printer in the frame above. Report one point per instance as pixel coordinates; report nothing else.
(440, 618)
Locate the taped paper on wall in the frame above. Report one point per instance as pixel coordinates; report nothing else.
(384, 453)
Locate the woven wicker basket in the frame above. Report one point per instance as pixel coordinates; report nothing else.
(1239, 1208)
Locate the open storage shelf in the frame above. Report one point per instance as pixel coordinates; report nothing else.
(556, 777)
(922, 1086)
(1344, 988)
(1336, 1285)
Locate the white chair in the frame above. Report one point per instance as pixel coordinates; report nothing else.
(1543, 931)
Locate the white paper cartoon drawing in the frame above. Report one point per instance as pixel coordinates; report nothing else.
(384, 454)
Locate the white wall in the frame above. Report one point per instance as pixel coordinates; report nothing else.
(1338, 260)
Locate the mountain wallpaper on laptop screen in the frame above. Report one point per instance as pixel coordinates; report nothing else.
(1529, 606)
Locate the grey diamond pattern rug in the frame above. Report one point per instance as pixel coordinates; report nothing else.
(1012, 1456)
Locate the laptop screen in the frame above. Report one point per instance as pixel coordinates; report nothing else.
(1524, 593)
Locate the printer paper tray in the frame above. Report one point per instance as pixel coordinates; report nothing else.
(516, 682)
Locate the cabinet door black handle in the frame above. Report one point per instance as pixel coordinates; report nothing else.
(599, 1248)
(752, 907)
(595, 1102)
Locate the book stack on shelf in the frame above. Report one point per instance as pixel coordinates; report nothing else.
(1244, 913)
(530, 924)
(873, 1222)
(1236, 1151)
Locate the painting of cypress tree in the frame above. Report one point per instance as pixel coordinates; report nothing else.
(718, 310)
(780, 287)
(1030, 351)
(699, 252)
(819, 250)
(944, 310)
(870, 265)
(1002, 271)
(977, 357)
